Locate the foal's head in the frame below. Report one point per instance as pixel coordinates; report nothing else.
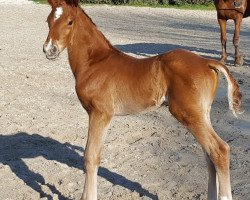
(61, 24)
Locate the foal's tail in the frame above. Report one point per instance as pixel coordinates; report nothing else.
(234, 94)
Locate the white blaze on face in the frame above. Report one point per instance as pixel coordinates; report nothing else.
(224, 198)
(49, 45)
(58, 13)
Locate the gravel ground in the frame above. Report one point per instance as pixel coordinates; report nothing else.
(147, 156)
(16, 2)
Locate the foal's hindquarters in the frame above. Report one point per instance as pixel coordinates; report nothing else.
(191, 90)
(188, 81)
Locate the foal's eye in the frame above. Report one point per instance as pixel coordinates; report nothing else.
(70, 23)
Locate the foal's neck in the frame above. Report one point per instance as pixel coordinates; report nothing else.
(88, 44)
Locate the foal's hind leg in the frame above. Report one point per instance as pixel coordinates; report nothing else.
(218, 153)
(196, 118)
(213, 185)
(238, 57)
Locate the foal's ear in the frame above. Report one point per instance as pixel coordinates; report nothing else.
(72, 2)
(55, 3)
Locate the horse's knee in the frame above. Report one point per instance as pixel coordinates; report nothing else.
(236, 41)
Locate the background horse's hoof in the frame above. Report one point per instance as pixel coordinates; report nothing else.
(238, 61)
(223, 59)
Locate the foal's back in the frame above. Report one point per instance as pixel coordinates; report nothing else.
(133, 85)
(140, 84)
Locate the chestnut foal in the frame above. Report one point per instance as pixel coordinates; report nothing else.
(235, 10)
(109, 82)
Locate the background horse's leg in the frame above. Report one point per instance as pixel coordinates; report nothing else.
(223, 37)
(213, 184)
(238, 57)
(98, 126)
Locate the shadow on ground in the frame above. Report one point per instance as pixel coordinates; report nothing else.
(149, 49)
(146, 49)
(22, 145)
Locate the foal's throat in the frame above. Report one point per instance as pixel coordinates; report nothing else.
(87, 41)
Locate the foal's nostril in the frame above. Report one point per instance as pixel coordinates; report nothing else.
(51, 51)
(54, 49)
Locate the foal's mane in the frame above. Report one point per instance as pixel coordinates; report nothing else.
(97, 30)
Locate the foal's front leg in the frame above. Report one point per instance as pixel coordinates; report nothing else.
(98, 126)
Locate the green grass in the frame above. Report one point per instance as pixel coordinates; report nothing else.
(40, 1)
(186, 7)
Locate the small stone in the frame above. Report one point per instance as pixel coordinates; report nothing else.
(240, 81)
(55, 197)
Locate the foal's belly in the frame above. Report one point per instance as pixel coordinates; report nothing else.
(126, 107)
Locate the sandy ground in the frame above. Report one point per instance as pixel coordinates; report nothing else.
(147, 156)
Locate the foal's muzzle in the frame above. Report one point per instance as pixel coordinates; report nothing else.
(51, 51)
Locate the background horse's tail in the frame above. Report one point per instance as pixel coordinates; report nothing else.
(234, 94)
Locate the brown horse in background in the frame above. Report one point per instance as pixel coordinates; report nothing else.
(109, 83)
(235, 10)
